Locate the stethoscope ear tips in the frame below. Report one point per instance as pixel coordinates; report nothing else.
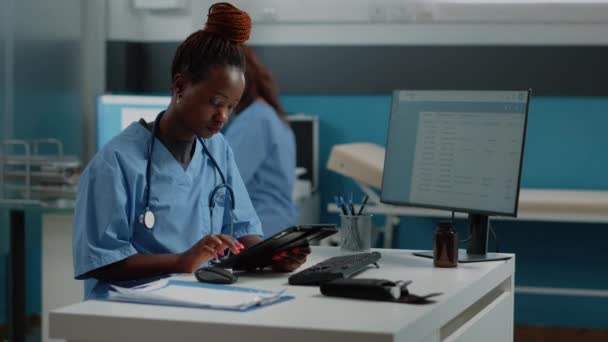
(147, 218)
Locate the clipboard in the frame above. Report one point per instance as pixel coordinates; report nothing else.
(260, 255)
(193, 294)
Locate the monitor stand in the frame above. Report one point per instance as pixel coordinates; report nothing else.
(478, 244)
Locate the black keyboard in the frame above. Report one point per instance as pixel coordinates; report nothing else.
(334, 268)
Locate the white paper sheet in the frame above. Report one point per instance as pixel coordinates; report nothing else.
(192, 294)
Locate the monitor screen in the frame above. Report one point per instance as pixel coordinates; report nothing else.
(456, 150)
(116, 112)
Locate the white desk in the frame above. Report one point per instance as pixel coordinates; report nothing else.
(477, 305)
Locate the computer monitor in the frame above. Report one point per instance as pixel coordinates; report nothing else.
(459, 151)
(116, 112)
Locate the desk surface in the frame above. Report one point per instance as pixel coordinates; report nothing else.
(310, 316)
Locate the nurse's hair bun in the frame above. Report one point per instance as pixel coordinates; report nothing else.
(229, 22)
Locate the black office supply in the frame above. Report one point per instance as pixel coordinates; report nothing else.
(363, 204)
(215, 275)
(374, 289)
(260, 255)
(335, 268)
(340, 205)
(350, 205)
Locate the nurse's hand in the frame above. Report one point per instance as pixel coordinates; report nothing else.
(290, 259)
(210, 247)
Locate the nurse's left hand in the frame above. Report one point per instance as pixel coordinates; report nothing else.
(290, 259)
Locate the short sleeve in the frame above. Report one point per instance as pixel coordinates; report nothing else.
(101, 231)
(246, 221)
(249, 137)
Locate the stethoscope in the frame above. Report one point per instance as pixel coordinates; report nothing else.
(148, 218)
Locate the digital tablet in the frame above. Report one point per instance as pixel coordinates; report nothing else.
(260, 255)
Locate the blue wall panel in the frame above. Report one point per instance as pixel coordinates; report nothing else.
(562, 311)
(342, 119)
(566, 143)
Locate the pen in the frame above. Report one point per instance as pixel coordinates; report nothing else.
(340, 206)
(343, 205)
(363, 204)
(350, 204)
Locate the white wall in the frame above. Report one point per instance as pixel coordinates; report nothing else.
(94, 18)
(365, 22)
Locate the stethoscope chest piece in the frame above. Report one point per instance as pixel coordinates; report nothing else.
(147, 218)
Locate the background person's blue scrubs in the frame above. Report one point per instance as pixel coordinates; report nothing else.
(265, 152)
(111, 198)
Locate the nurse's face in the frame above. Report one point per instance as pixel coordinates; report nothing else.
(204, 107)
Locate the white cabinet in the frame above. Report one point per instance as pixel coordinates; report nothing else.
(58, 285)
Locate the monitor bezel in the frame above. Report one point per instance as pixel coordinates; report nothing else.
(458, 209)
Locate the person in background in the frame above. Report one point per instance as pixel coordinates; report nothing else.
(144, 205)
(264, 148)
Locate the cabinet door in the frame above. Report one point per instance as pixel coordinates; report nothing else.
(58, 285)
(493, 323)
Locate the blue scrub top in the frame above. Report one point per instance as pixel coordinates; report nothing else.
(111, 197)
(265, 152)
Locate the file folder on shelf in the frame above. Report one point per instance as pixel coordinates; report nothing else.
(197, 295)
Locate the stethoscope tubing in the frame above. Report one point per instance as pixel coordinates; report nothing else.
(148, 218)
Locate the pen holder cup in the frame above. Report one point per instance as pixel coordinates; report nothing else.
(355, 233)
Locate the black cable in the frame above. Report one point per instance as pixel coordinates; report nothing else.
(495, 237)
(466, 240)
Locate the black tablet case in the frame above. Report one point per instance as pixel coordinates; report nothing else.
(373, 289)
(260, 255)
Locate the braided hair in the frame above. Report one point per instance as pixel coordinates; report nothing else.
(218, 44)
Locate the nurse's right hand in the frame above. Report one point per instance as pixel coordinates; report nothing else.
(207, 248)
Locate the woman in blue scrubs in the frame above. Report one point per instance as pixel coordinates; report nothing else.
(264, 148)
(146, 205)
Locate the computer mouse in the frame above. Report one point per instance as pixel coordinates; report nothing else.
(215, 275)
